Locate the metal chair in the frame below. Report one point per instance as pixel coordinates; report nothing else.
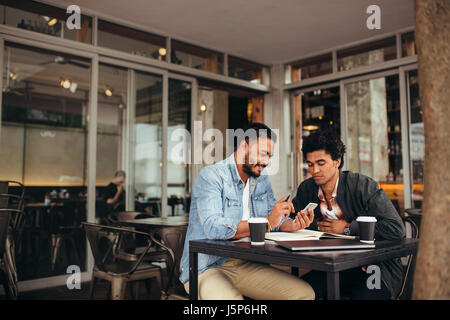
(406, 288)
(172, 238)
(65, 223)
(8, 271)
(105, 242)
(11, 207)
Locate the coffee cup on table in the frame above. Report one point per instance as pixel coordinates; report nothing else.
(258, 227)
(366, 228)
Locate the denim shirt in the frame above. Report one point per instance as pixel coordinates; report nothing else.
(216, 209)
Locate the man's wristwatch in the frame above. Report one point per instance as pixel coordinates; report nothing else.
(347, 231)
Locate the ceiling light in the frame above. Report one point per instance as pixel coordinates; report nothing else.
(65, 83)
(162, 51)
(13, 76)
(52, 22)
(203, 107)
(311, 127)
(108, 92)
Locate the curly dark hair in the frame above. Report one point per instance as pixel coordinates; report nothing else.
(326, 140)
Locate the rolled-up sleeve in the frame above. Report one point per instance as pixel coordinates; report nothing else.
(208, 196)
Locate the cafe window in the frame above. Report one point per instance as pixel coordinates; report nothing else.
(408, 44)
(367, 54)
(374, 145)
(42, 18)
(114, 36)
(44, 145)
(196, 57)
(246, 70)
(309, 68)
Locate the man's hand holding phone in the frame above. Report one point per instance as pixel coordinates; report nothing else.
(282, 207)
(302, 220)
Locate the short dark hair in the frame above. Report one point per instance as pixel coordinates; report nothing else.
(120, 173)
(326, 140)
(253, 131)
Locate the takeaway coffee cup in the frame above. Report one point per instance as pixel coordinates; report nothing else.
(258, 227)
(366, 229)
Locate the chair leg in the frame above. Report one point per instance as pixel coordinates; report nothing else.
(75, 251)
(148, 286)
(108, 293)
(92, 289)
(159, 281)
(134, 289)
(56, 243)
(118, 285)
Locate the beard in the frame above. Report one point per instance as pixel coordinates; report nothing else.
(250, 169)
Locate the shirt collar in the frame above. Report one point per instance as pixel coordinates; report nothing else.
(333, 194)
(231, 162)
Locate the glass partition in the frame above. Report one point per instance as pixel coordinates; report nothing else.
(374, 145)
(246, 70)
(42, 18)
(417, 140)
(179, 147)
(147, 147)
(310, 67)
(196, 57)
(367, 54)
(111, 106)
(408, 44)
(44, 144)
(114, 36)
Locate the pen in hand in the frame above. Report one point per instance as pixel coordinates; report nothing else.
(287, 198)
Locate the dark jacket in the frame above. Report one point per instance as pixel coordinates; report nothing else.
(359, 195)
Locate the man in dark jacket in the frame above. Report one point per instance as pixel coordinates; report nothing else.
(341, 198)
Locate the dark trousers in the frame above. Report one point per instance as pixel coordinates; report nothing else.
(353, 285)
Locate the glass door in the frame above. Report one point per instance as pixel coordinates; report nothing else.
(315, 109)
(374, 139)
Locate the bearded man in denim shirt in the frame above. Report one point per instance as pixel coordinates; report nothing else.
(224, 197)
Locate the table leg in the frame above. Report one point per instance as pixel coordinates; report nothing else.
(333, 291)
(193, 275)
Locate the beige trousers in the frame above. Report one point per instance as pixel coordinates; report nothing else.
(237, 278)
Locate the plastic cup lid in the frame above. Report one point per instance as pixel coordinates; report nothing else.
(257, 220)
(366, 219)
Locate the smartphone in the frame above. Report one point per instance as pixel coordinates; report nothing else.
(311, 206)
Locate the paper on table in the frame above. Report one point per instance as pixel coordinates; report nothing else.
(303, 234)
